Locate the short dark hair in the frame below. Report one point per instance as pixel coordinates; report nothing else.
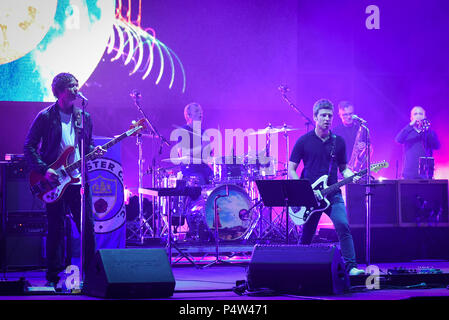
(322, 104)
(60, 82)
(344, 104)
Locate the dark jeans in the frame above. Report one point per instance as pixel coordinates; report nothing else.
(337, 213)
(70, 202)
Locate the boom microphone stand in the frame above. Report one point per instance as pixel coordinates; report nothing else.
(136, 96)
(284, 90)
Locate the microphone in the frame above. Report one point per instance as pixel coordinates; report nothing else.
(135, 93)
(80, 95)
(283, 88)
(355, 117)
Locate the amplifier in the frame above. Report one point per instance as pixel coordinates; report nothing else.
(405, 203)
(17, 196)
(26, 224)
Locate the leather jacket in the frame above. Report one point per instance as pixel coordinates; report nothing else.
(43, 140)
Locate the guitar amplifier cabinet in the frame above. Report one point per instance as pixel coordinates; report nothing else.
(23, 222)
(423, 202)
(384, 204)
(16, 194)
(405, 203)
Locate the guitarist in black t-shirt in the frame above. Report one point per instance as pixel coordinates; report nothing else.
(324, 153)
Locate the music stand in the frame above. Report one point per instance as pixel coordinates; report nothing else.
(286, 193)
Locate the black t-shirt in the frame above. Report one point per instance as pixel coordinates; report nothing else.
(196, 169)
(316, 156)
(348, 134)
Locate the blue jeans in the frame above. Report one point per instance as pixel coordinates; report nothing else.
(337, 213)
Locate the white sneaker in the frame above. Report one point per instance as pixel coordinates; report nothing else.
(356, 272)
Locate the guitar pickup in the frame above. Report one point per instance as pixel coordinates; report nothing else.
(318, 195)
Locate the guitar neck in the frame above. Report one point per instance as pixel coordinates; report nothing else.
(92, 155)
(341, 183)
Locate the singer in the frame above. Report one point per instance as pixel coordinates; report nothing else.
(52, 131)
(323, 153)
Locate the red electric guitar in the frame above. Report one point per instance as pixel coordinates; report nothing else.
(49, 191)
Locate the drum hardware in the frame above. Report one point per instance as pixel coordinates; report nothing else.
(273, 130)
(183, 160)
(217, 224)
(246, 215)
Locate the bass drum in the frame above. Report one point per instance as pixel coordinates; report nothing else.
(234, 219)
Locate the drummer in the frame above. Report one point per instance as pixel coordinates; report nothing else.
(197, 171)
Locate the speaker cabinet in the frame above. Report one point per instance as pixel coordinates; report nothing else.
(404, 203)
(24, 251)
(17, 196)
(297, 269)
(130, 273)
(384, 204)
(423, 202)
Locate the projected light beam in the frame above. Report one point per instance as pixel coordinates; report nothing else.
(134, 44)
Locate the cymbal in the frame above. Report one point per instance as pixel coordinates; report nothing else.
(183, 159)
(191, 132)
(274, 130)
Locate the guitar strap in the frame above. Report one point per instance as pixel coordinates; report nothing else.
(332, 153)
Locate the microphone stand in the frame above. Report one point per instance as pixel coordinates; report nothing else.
(368, 195)
(217, 239)
(287, 152)
(136, 96)
(82, 190)
(284, 90)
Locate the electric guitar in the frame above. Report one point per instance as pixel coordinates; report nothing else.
(301, 215)
(51, 191)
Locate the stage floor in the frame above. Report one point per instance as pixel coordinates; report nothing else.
(218, 281)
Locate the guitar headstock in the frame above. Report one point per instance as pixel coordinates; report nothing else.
(136, 127)
(379, 165)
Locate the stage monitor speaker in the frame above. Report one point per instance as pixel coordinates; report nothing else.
(130, 273)
(297, 269)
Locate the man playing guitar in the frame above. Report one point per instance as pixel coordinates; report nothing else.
(322, 153)
(53, 130)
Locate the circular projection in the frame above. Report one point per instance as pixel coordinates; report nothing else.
(40, 39)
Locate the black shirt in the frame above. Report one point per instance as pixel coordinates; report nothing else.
(348, 134)
(316, 156)
(416, 145)
(201, 170)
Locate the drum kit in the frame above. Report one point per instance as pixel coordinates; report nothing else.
(231, 178)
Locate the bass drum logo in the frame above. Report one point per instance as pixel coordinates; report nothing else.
(106, 187)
